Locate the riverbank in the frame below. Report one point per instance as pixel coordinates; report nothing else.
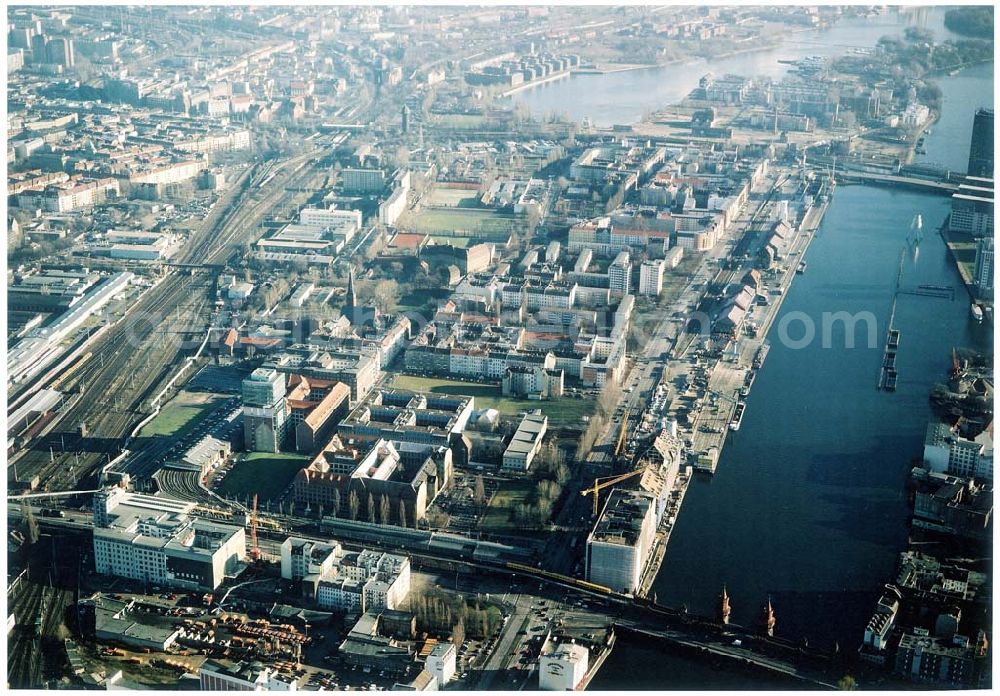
(535, 83)
(710, 426)
(807, 477)
(662, 537)
(598, 662)
(959, 248)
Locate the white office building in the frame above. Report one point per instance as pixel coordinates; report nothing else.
(442, 662)
(620, 274)
(346, 580)
(155, 539)
(302, 557)
(562, 666)
(947, 452)
(619, 546)
(265, 412)
(525, 443)
(651, 277)
(341, 222)
(216, 675)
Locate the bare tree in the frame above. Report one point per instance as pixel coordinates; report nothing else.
(386, 294)
(335, 503)
(384, 508)
(458, 633)
(479, 490)
(371, 508)
(353, 504)
(402, 513)
(30, 523)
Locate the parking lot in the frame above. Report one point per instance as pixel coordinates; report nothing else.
(465, 513)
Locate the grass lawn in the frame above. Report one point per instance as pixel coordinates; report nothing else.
(562, 411)
(180, 412)
(497, 518)
(473, 220)
(264, 473)
(461, 198)
(459, 242)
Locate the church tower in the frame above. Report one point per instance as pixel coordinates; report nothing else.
(724, 608)
(769, 620)
(359, 316)
(350, 298)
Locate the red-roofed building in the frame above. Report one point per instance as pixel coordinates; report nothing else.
(315, 413)
(409, 242)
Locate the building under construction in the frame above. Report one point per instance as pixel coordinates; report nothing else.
(619, 546)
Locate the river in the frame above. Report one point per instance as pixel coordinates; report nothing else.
(947, 145)
(624, 97)
(808, 505)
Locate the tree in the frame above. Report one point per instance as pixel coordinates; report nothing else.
(458, 633)
(971, 21)
(384, 508)
(918, 35)
(335, 503)
(353, 504)
(609, 397)
(479, 490)
(437, 518)
(534, 216)
(590, 435)
(402, 513)
(386, 294)
(370, 507)
(847, 683)
(30, 523)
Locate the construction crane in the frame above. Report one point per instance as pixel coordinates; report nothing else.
(602, 483)
(254, 548)
(622, 432)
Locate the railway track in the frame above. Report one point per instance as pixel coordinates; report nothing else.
(135, 356)
(123, 368)
(24, 643)
(184, 485)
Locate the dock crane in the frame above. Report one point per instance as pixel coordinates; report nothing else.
(730, 399)
(602, 483)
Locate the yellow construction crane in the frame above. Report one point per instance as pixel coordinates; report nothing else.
(622, 432)
(602, 483)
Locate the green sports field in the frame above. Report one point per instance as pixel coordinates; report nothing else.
(264, 473)
(471, 219)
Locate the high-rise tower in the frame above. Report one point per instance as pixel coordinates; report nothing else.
(981, 148)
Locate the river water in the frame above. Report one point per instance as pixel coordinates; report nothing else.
(808, 504)
(624, 97)
(947, 145)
